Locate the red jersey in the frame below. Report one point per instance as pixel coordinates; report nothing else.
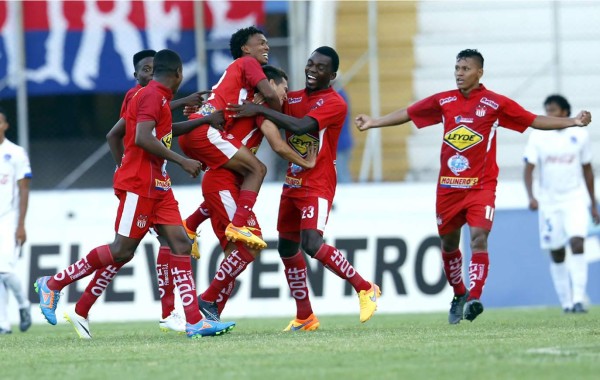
(248, 132)
(141, 172)
(329, 109)
(128, 96)
(236, 85)
(468, 156)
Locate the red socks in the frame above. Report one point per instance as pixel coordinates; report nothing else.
(245, 202)
(224, 296)
(295, 274)
(231, 267)
(333, 260)
(200, 215)
(183, 279)
(98, 257)
(165, 285)
(453, 269)
(102, 278)
(478, 271)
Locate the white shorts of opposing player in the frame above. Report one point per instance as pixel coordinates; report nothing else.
(558, 223)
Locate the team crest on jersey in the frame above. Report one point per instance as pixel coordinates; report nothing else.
(295, 168)
(7, 157)
(480, 110)
(462, 138)
(142, 220)
(301, 143)
(458, 164)
(167, 140)
(206, 109)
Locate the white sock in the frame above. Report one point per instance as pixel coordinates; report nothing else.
(560, 277)
(579, 275)
(4, 323)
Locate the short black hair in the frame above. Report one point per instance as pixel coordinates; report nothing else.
(166, 61)
(471, 53)
(137, 57)
(275, 73)
(331, 53)
(559, 100)
(240, 38)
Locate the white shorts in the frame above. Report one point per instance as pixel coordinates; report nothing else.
(8, 246)
(559, 222)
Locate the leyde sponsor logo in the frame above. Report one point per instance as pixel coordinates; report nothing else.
(292, 182)
(162, 185)
(301, 143)
(462, 138)
(447, 100)
(462, 183)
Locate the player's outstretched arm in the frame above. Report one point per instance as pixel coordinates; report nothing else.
(280, 147)
(114, 137)
(364, 122)
(192, 100)
(289, 123)
(147, 141)
(215, 119)
(582, 119)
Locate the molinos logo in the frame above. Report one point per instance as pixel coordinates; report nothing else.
(458, 183)
(490, 103)
(300, 143)
(462, 138)
(142, 220)
(292, 182)
(447, 100)
(458, 164)
(167, 140)
(162, 185)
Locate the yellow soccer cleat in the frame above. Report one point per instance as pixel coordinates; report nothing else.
(244, 235)
(368, 302)
(194, 238)
(309, 324)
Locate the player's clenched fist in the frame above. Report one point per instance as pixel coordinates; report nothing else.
(363, 122)
(583, 118)
(192, 167)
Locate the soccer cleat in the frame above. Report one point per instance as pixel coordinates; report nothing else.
(309, 324)
(368, 302)
(25, 315)
(79, 323)
(456, 308)
(209, 310)
(567, 310)
(472, 309)
(208, 328)
(578, 308)
(193, 236)
(174, 322)
(48, 299)
(245, 235)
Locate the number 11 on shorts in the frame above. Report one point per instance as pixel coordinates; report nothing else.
(489, 213)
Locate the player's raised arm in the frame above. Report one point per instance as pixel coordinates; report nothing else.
(280, 147)
(215, 119)
(193, 100)
(364, 122)
(582, 119)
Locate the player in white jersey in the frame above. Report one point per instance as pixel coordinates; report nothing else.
(15, 174)
(563, 158)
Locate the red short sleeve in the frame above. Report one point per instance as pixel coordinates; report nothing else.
(515, 117)
(252, 71)
(426, 112)
(332, 112)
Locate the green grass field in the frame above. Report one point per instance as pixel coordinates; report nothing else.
(500, 344)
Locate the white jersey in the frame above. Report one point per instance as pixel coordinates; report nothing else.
(559, 156)
(14, 166)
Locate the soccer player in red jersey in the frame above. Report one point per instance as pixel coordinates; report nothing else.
(221, 189)
(217, 149)
(146, 199)
(468, 176)
(143, 63)
(312, 115)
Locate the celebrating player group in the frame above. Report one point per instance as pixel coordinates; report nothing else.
(221, 137)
